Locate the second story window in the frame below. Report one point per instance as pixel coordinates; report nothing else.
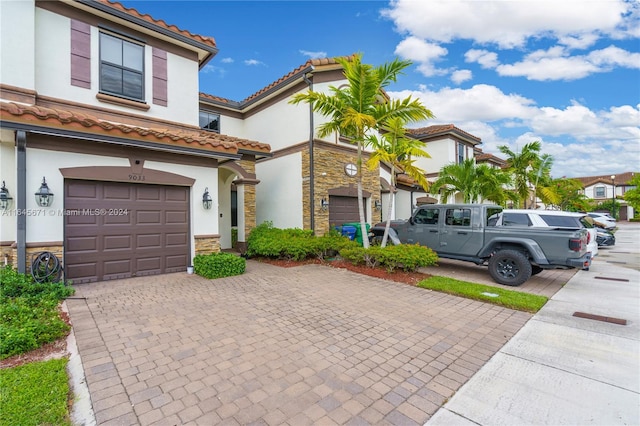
(600, 192)
(121, 67)
(210, 121)
(460, 153)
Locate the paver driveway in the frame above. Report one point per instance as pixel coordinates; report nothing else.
(303, 345)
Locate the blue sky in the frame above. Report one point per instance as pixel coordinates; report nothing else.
(565, 73)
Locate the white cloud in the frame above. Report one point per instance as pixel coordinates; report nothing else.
(253, 62)
(227, 60)
(555, 63)
(212, 69)
(313, 55)
(582, 141)
(509, 24)
(417, 50)
(485, 58)
(460, 76)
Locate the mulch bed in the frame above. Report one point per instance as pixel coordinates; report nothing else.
(411, 278)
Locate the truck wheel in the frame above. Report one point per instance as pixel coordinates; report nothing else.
(509, 267)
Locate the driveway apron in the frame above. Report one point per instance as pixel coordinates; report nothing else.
(304, 345)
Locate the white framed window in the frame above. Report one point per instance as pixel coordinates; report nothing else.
(121, 67)
(599, 192)
(460, 153)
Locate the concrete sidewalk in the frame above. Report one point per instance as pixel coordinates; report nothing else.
(563, 369)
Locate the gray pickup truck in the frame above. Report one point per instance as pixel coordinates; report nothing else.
(473, 232)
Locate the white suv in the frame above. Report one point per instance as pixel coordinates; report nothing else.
(552, 219)
(603, 219)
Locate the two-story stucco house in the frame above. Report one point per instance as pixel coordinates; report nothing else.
(100, 117)
(603, 188)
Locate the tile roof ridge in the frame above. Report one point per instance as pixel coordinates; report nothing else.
(210, 41)
(90, 123)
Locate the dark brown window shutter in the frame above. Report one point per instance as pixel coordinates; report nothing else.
(159, 76)
(80, 54)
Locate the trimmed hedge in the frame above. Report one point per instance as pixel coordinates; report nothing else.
(294, 243)
(407, 257)
(218, 265)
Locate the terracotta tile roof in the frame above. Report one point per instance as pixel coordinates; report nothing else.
(309, 63)
(209, 41)
(437, 129)
(83, 123)
(490, 158)
(621, 179)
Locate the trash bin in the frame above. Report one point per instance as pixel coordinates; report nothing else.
(356, 225)
(349, 231)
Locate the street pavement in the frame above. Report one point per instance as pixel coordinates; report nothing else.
(566, 369)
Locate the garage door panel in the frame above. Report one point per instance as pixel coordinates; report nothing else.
(117, 193)
(174, 263)
(80, 219)
(82, 190)
(148, 217)
(82, 243)
(117, 242)
(175, 217)
(149, 193)
(152, 238)
(117, 219)
(149, 241)
(176, 239)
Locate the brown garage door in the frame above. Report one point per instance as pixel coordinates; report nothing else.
(343, 210)
(118, 230)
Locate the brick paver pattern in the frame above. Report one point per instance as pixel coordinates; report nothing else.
(304, 345)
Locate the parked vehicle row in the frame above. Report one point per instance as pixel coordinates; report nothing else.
(477, 233)
(604, 220)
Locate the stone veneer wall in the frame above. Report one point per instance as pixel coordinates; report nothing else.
(249, 200)
(329, 174)
(207, 244)
(34, 248)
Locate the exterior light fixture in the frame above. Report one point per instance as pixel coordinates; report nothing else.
(5, 197)
(44, 196)
(206, 199)
(324, 204)
(613, 197)
(378, 205)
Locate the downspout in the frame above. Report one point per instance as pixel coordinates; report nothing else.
(312, 206)
(21, 203)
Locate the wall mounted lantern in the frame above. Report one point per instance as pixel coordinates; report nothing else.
(5, 197)
(324, 204)
(44, 196)
(377, 204)
(206, 199)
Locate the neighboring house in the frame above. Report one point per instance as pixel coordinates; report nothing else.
(102, 102)
(446, 144)
(605, 188)
(308, 182)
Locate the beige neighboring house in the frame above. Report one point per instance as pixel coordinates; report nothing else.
(603, 188)
(138, 187)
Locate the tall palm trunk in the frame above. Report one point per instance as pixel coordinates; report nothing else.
(387, 226)
(363, 225)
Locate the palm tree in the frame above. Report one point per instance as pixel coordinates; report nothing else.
(400, 152)
(475, 182)
(523, 167)
(362, 106)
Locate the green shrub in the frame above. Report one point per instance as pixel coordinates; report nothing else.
(218, 265)
(407, 257)
(15, 284)
(293, 243)
(29, 315)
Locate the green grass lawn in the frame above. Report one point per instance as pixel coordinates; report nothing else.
(508, 298)
(34, 394)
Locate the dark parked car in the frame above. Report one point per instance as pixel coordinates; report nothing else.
(605, 238)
